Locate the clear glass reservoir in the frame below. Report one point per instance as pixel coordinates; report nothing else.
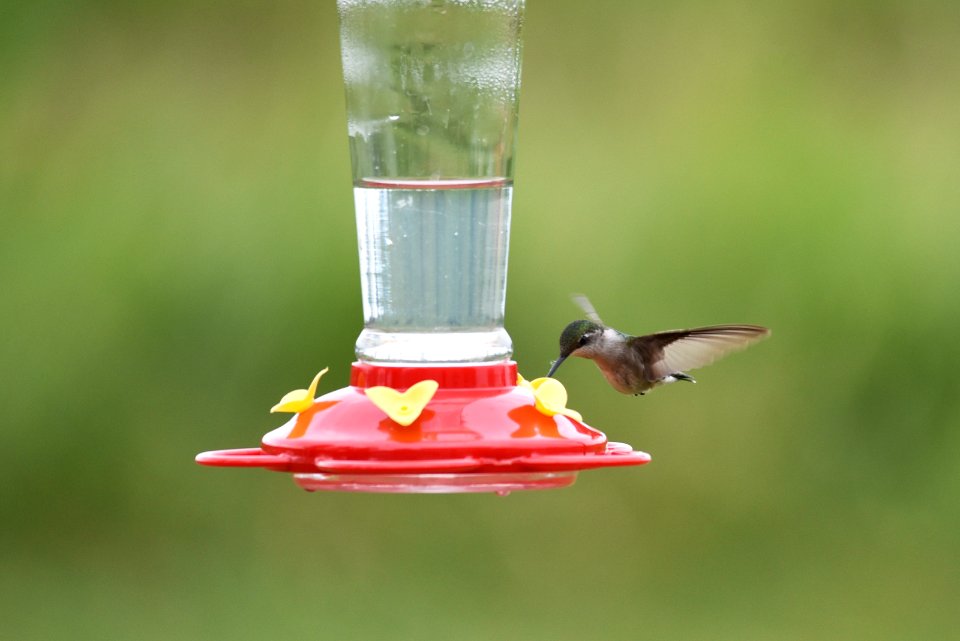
(432, 96)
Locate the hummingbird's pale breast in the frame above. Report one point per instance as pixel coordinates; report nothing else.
(617, 361)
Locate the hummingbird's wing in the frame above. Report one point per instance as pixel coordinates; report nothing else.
(665, 353)
(584, 303)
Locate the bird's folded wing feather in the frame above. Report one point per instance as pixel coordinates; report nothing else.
(685, 349)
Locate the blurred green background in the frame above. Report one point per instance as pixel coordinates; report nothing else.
(177, 250)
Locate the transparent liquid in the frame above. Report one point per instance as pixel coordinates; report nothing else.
(433, 268)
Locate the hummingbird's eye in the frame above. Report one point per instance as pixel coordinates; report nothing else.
(582, 341)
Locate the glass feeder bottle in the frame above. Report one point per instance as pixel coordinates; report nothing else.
(432, 93)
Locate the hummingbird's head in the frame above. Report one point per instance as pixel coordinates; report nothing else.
(577, 339)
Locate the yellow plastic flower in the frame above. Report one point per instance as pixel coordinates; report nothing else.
(299, 399)
(550, 397)
(403, 407)
(524, 383)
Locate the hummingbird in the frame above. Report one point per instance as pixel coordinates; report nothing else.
(637, 364)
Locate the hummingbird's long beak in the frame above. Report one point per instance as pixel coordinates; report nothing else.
(555, 365)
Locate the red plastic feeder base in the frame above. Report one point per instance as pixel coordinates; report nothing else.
(480, 432)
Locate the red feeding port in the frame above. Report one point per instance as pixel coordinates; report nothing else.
(480, 432)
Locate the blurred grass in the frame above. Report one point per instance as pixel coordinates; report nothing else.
(178, 250)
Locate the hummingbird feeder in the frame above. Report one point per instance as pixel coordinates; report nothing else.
(434, 404)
